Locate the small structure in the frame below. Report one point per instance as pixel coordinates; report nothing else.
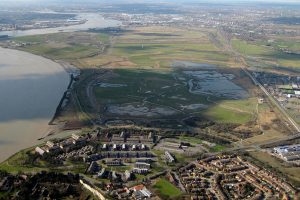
(261, 100)
(94, 167)
(39, 151)
(127, 176)
(169, 157)
(133, 148)
(50, 144)
(150, 135)
(102, 173)
(141, 192)
(66, 145)
(140, 170)
(75, 136)
(142, 165)
(114, 175)
(78, 139)
(116, 162)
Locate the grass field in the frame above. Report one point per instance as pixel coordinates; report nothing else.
(289, 43)
(192, 140)
(217, 148)
(15, 163)
(270, 53)
(141, 58)
(157, 47)
(167, 189)
(250, 49)
(233, 111)
(154, 49)
(66, 46)
(22, 162)
(222, 115)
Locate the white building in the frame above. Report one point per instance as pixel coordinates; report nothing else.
(289, 152)
(39, 151)
(169, 157)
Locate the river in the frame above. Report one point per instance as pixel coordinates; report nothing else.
(30, 89)
(93, 21)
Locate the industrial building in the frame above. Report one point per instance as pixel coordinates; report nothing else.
(289, 152)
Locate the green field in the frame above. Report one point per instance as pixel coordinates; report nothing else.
(250, 49)
(192, 140)
(148, 55)
(269, 53)
(65, 46)
(290, 44)
(233, 111)
(141, 59)
(26, 161)
(167, 189)
(217, 148)
(157, 47)
(16, 163)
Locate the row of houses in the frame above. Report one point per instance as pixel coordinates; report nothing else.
(129, 138)
(124, 147)
(64, 146)
(118, 154)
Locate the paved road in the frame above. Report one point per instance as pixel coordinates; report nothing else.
(282, 110)
(239, 57)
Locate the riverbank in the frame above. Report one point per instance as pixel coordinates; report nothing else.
(31, 87)
(93, 20)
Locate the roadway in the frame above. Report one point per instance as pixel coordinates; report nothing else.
(282, 110)
(291, 121)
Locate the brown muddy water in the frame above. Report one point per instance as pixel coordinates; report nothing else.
(30, 90)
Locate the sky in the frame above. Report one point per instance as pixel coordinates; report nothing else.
(281, 1)
(32, 2)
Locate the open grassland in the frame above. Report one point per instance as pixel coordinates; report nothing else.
(192, 140)
(223, 115)
(157, 47)
(16, 163)
(247, 48)
(269, 123)
(233, 111)
(288, 43)
(142, 59)
(166, 189)
(70, 47)
(274, 54)
(26, 161)
(146, 55)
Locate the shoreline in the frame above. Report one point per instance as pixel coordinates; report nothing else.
(90, 23)
(10, 141)
(33, 125)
